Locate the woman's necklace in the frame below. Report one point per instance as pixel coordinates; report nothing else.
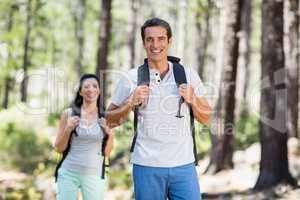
(88, 117)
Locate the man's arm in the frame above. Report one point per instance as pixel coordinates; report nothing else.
(116, 115)
(201, 109)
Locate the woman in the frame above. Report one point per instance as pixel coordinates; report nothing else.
(85, 141)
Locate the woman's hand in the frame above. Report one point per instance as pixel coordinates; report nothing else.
(72, 122)
(66, 125)
(102, 122)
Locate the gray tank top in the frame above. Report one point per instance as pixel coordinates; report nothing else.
(85, 155)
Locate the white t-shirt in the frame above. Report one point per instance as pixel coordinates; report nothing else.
(164, 140)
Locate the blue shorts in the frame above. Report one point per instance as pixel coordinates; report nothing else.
(160, 183)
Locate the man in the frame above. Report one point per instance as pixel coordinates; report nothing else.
(163, 159)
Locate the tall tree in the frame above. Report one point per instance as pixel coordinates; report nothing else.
(274, 167)
(26, 61)
(222, 148)
(291, 21)
(132, 36)
(245, 50)
(79, 18)
(203, 26)
(7, 88)
(9, 80)
(179, 13)
(103, 46)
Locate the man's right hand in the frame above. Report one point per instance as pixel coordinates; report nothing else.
(140, 95)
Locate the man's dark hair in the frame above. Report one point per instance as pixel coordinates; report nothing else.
(156, 22)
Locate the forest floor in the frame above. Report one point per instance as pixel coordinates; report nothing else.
(237, 184)
(233, 184)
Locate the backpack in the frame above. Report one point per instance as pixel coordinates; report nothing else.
(76, 112)
(143, 78)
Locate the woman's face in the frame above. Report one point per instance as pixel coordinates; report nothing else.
(90, 90)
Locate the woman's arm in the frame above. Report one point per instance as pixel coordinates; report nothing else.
(66, 125)
(110, 143)
(110, 140)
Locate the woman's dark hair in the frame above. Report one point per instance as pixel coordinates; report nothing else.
(156, 22)
(78, 101)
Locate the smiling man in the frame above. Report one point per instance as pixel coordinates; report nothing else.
(165, 97)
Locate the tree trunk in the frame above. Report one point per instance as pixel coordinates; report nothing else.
(103, 47)
(53, 50)
(7, 89)
(222, 149)
(181, 22)
(26, 61)
(79, 18)
(291, 21)
(8, 79)
(245, 50)
(204, 34)
(132, 35)
(274, 167)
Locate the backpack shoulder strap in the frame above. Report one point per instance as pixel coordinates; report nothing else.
(102, 114)
(74, 112)
(103, 145)
(179, 74)
(143, 78)
(180, 78)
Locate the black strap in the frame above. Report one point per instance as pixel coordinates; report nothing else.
(65, 153)
(75, 112)
(180, 78)
(193, 135)
(179, 74)
(104, 143)
(143, 78)
(143, 74)
(135, 121)
(102, 114)
(104, 166)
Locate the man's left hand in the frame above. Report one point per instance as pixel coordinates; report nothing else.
(187, 92)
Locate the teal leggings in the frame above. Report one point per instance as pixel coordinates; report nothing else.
(68, 184)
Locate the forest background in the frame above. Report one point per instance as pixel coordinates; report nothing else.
(245, 51)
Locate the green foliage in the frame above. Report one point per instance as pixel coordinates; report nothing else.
(22, 148)
(53, 118)
(204, 8)
(26, 192)
(120, 171)
(120, 179)
(202, 140)
(246, 129)
(123, 138)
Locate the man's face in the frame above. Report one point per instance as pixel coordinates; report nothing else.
(156, 43)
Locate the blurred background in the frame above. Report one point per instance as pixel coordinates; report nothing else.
(245, 51)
